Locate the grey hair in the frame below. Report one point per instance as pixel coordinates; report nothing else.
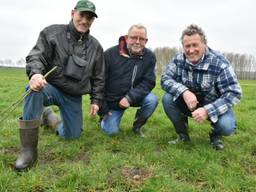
(192, 30)
(138, 26)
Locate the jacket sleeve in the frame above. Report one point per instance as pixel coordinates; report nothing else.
(38, 58)
(169, 81)
(98, 78)
(230, 92)
(146, 84)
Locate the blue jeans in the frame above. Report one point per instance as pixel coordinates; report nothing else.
(70, 109)
(110, 124)
(178, 113)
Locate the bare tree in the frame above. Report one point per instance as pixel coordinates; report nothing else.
(163, 56)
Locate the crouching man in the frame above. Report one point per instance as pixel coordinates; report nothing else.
(200, 83)
(130, 77)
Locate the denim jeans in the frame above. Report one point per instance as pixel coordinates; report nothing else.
(178, 113)
(70, 109)
(110, 124)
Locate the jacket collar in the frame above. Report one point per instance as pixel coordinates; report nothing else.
(77, 35)
(124, 51)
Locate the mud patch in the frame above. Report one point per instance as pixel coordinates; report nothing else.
(10, 150)
(83, 156)
(136, 176)
(49, 157)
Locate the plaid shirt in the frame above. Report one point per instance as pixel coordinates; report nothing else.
(212, 79)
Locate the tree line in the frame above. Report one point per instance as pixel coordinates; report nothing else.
(243, 64)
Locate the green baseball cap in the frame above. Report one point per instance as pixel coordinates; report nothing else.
(85, 5)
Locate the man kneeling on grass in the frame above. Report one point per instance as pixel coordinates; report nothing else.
(80, 70)
(200, 83)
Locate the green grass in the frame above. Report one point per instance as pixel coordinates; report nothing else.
(96, 162)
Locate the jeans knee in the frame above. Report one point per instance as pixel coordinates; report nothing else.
(109, 130)
(154, 101)
(36, 94)
(225, 128)
(226, 124)
(167, 101)
(226, 131)
(151, 100)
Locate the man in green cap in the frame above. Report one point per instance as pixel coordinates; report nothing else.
(80, 70)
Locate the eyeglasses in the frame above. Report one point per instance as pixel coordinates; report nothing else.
(135, 38)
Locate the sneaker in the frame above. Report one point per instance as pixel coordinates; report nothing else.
(184, 137)
(138, 131)
(215, 141)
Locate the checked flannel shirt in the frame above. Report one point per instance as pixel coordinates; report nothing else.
(213, 78)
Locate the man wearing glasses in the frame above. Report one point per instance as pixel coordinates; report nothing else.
(130, 77)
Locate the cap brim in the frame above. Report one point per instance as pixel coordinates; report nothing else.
(87, 10)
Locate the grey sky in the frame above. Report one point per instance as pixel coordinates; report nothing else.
(230, 25)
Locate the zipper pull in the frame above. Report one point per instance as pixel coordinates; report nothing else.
(81, 37)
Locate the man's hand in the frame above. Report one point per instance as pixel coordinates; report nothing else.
(200, 114)
(37, 82)
(94, 110)
(124, 103)
(190, 100)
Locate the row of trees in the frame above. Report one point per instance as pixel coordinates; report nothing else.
(10, 63)
(243, 64)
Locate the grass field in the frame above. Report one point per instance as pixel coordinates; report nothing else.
(96, 162)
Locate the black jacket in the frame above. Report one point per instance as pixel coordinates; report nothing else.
(53, 47)
(127, 75)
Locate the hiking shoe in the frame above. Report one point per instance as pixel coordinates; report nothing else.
(184, 137)
(138, 131)
(215, 141)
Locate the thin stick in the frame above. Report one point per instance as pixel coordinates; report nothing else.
(11, 108)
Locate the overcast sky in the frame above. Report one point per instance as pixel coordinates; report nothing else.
(230, 25)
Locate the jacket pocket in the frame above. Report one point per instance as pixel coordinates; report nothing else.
(75, 67)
